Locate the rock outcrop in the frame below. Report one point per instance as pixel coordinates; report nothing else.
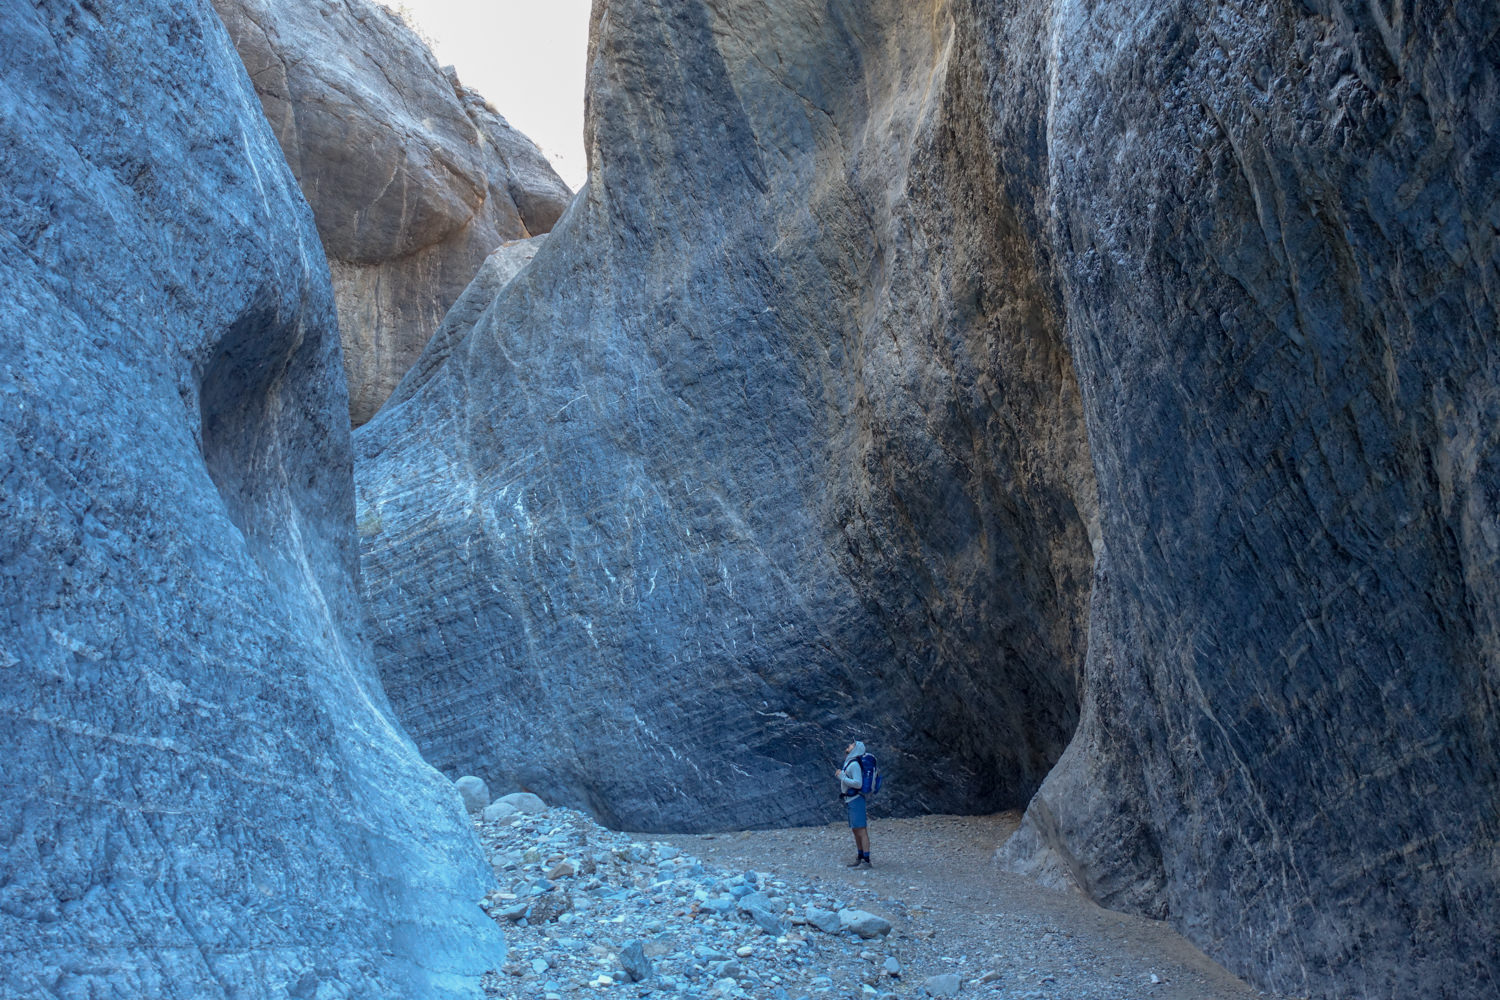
(1277, 232)
(412, 177)
(205, 793)
(893, 347)
(775, 443)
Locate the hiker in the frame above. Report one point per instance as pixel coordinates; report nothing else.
(851, 789)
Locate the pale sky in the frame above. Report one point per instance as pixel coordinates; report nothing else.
(526, 58)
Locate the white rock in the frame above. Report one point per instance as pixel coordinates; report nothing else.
(475, 793)
(525, 802)
(497, 812)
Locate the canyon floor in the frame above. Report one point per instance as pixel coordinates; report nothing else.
(678, 912)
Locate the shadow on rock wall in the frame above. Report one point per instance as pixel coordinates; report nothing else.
(774, 444)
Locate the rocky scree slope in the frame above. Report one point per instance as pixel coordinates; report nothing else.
(205, 792)
(908, 371)
(412, 177)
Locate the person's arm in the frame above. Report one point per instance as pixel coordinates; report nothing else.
(851, 776)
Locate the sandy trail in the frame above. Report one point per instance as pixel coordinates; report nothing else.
(955, 912)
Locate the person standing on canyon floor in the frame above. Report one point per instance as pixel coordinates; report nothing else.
(853, 785)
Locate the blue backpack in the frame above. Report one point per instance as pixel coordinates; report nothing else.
(869, 772)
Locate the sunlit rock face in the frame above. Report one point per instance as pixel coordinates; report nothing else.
(1276, 227)
(205, 792)
(412, 177)
(774, 444)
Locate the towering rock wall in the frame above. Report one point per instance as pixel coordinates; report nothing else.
(879, 330)
(205, 793)
(1278, 234)
(775, 444)
(412, 178)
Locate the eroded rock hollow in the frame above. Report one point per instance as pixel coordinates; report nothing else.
(205, 793)
(909, 371)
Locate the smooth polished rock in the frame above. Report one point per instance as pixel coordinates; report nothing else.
(205, 792)
(474, 792)
(524, 802)
(412, 177)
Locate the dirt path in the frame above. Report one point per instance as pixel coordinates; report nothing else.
(955, 912)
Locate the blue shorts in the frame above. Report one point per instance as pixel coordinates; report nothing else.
(856, 812)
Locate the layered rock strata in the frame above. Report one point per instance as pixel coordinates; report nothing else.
(412, 177)
(775, 444)
(892, 347)
(205, 792)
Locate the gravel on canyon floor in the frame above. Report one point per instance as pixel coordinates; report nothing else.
(775, 914)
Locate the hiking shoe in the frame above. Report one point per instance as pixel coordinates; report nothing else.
(856, 863)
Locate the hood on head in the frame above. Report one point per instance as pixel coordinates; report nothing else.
(858, 751)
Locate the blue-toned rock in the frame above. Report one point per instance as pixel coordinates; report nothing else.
(205, 792)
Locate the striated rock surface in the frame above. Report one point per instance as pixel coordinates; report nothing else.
(413, 178)
(205, 793)
(891, 348)
(775, 443)
(1277, 227)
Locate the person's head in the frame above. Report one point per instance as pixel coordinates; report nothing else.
(854, 749)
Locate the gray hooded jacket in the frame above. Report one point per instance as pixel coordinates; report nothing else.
(853, 775)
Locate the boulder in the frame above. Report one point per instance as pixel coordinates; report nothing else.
(526, 803)
(474, 792)
(826, 921)
(412, 177)
(863, 923)
(499, 812)
(206, 794)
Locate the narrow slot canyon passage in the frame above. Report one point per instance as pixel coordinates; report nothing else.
(435, 568)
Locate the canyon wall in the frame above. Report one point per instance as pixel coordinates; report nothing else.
(413, 179)
(896, 356)
(205, 792)
(1277, 229)
(775, 444)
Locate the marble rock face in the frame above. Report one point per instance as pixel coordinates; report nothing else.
(413, 179)
(205, 793)
(1276, 227)
(775, 444)
(905, 369)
